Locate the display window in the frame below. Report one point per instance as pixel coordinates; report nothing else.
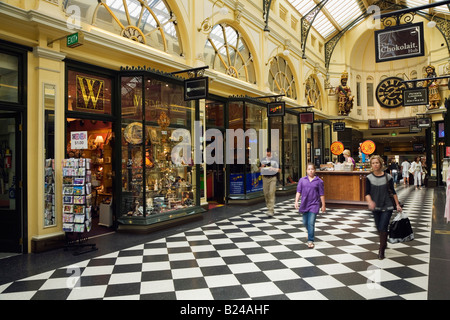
(9, 78)
(154, 185)
(245, 177)
(289, 148)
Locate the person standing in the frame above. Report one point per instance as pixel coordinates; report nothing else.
(312, 192)
(393, 170)
(269, 169)
(423, 160)
(379, 201)
(348, 158)
(405, 172)
(416, 166)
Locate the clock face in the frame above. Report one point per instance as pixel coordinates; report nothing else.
(389, 92)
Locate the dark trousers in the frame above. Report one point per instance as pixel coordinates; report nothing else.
(382, 219)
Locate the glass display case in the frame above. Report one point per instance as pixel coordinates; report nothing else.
(154, 187)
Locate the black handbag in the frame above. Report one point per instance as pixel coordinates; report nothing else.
(400, 229)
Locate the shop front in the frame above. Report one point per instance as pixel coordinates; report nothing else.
(89, 131)
(289, 128)
(159, 174)
(244, 177)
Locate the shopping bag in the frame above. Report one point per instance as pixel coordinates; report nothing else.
(400, 229)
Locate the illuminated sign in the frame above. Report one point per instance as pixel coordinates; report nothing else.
(275, 109)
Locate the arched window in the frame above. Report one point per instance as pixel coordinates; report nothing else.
(147, 22)
(281, 79)
(312, 93)
(227, 52)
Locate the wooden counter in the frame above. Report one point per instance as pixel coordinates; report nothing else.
(344, 189)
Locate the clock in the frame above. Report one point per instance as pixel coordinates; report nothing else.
(389, 92)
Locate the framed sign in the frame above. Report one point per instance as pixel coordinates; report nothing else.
(276, 109)
(415, 97)
(195, 89)
(399, 42)
(306, 117)
(414, 129)
(424, 122)
(338, 126)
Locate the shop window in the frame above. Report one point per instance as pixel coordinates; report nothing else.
(9, 78)
(99, 148)
(291, 150)
(214, 114)
(158, 182)
(245, 178)
(89, 93)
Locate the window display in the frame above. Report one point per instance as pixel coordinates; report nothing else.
(152, 184)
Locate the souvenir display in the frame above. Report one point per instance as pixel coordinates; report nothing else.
(160, 186)
(77, 195)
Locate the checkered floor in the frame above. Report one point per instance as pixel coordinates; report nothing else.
(253, 256)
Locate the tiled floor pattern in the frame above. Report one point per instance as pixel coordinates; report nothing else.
(253, 256)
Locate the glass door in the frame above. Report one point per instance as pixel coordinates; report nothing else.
(10, 180)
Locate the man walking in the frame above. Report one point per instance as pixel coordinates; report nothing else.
(269, 169)
(405, 172)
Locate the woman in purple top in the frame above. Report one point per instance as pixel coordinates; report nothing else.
(312, 192)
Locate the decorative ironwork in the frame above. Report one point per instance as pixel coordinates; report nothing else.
(306, 24)
(405, 18)
(150, 70)
(312, 93)
(266, 13)
(281, 78)
(231, 54)
(136, 28)
(443, 26)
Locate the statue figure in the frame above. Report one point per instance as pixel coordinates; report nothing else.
(434, 97)
(345, 100)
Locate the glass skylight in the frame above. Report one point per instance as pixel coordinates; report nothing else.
(334, 16)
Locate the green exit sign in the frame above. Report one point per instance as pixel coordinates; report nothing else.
(75, 40)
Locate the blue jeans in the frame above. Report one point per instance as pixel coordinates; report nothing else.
(309, 220)
(382, 219)
(395, 175)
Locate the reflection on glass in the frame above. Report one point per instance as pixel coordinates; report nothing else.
(7, 164)
(9, 78)
(152, 183)
(291, 151)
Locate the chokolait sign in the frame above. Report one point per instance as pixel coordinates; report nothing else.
(399, 42)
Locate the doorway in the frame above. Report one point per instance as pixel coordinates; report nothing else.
(100, 146)
(12, 220)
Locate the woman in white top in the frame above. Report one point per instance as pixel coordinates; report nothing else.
(416, 166)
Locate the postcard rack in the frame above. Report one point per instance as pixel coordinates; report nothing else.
(77, 204)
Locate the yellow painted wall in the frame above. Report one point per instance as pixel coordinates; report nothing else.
(35, 23)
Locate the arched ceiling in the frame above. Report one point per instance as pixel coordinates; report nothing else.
(336, 15)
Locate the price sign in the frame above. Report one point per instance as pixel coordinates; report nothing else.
(79, 140)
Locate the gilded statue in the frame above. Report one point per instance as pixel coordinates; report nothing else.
(434, 98)
(345, 99)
